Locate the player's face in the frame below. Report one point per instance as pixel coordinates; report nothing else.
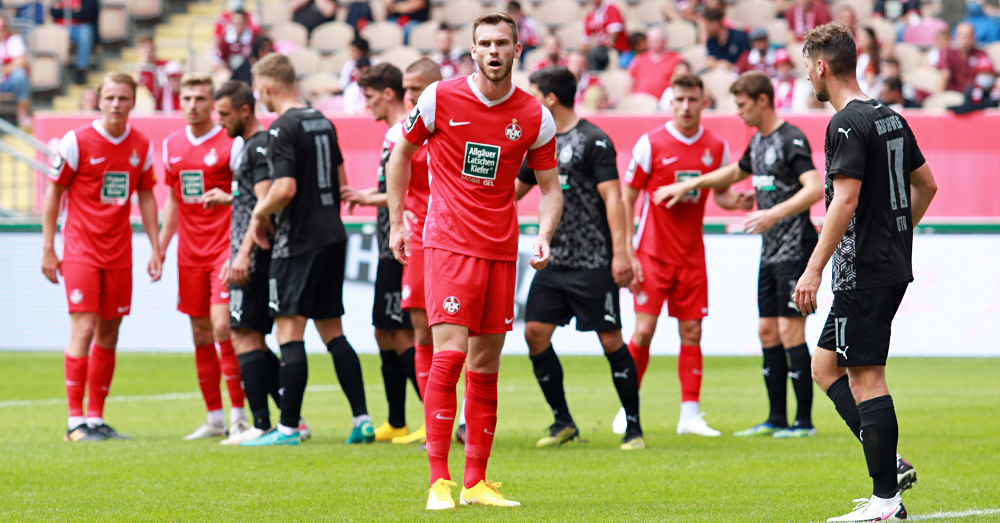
(814, 69)
(377, 102)
(687, 105)
(748, 109)
(540, 96)
(196, 104)
(414, 84)
(495, 51)
(230, 119)
(116, 102)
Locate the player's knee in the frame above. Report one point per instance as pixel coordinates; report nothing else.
(643, 333)
(220, 329)
(768, 334)
(611, 340)
(690, 333)
(792, 334)
(535, 337)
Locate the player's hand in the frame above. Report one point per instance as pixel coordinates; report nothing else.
(399, 241)
(621, 270)
(155, 267)
(671, 194)
(759, 221)
(224, 273)
(259, 229)
(409, 220)
(805, 291)
(239, 269)
(51, 265)
(351, 197)
(541, 254)
(216, 196)
(637, 277)
(744, 200)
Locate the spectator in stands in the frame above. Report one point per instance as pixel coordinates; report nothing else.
(900, 12)
(724, 45)
(984, 94)
(576, 62)
(957, 63)
(652, 70)
(170, 96)
(359, 14)
(354, 95)
(14, 71)
(869, 61)
(527, 28)
(224, 22)
(351, 71)
(261, 47)
(804, 16)
(849, 17)
(408, 14)
(233, 47)
(312, 13)
(465, 65)
(150, 71)
(668, 94)
(82, 26)
(552, 47)
(637, 43)
(986, 27)
(760, 57)
(891, 69)
(88, 100)
(791, 93)
(603, 28)
(444, 54)
(892, 95)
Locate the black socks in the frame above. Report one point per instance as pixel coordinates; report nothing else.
(775, 372)
(879, 435)
(348, 369)
(549, 373)
(294, 374)
(625, 378)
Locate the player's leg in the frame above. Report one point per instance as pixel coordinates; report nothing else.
(423, 354)
(100, 371)
(250, 351)
(394, 379)
(625, 378)
(193, 299)
(793, 336)
(831, 378)
(638, 346)
(229, 363)
(75, 363)
(451, 343)
(687, 300)
(775, 371)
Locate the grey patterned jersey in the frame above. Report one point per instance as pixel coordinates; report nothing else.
(392, 136)
(251, 170)
(586, 158)
(776, 162)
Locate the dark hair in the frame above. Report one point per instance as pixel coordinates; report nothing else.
(834, 43)
(635, 38)
(753, 84)
(364, 61)
(892, 60)
(893, 83)
(494, 18)
(361, 44)
(714, 15)
(688, 81)
(258, 46)
(383, 76)
(514, 4)
(875, 57)
(239, 94)
(555, 80)
(238, 12)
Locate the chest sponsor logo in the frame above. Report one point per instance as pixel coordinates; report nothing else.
(763, 182)
(513, 131)
(690, 196)
(770, 156)
(480, 163)
(133, 159)
(211, 158)
(565, 154)
(114, 188)
(192, 186)
(707, 158)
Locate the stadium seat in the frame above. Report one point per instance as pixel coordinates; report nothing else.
(616, 83)
(113, 23)
(290, 32)
(520, 79)
(313, 85)
(752, 13)
(680, 34)
(717, 82)
(695, 55)
(331, 37)
(943, 100)
(925, 78)
(637, 103)
(273, 14)
(993, 50)
(46, 72)
(646, 14)
(401, 56)
(884, 29)
(422, 37)
(461, 39)
(532, 57)
(383, 35)
(305, 61)
(557, 13)
(910, 56)
(461, 13)
(143, 10)
(200, 61)
(862, 9)
(777, 31)
(334, 63)
(725, 104)
(571, 36)
(49, 39)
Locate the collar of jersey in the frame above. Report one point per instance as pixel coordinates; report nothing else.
(482, 98)
(680, 137)
(107, 136)
(203, 138)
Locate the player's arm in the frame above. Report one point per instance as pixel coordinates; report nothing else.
(397, 179)
(50, 217)
(728, 199)
(629, 196)
(838, 218)
(810, 193)
(239, 267)
(169, 226)
(719, 178)
(147, 210)
(621, 233)
(549, 213)
(369, 197)
(922, 190)
(521, 189)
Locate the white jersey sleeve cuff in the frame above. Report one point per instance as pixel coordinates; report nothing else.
(70, 150)
(427, 104)
(547, 131)
(149, 158)
(642, 154)
(235, 153)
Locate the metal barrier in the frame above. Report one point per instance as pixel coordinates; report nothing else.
(19, 166)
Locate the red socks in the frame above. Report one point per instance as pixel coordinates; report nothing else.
(206, 362)
(439, 409)
(100, 370)
(423, 354)
(480, 424)
(231, 373)
(640, 355)
(689, 372)
(76, 383)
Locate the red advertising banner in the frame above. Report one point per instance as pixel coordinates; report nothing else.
(962, 151)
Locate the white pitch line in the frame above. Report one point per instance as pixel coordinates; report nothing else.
(952, 515)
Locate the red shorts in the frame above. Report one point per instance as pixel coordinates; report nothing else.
(413, 278)
(199, 289)
(685, 290)
(107, 292)
(473, 292)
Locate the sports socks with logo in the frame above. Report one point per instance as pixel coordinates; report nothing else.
(440, 406)
(394, 378)
(843, 401)
(76, 386)
(100, 371)
(423, 354)
(253, 368)
(480, 424)
(230, 366)
(776, 381)
(549, 373)
(348, 368)
(640, 356)
(294, 375)
(689, 368)
(800, 371)
(625, 378)
(273, 370)
(879, 435)
(206, 362)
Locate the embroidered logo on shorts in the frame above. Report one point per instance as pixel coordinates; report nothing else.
(641, 298)
(76, 296)
(406, 292)
(451, 305)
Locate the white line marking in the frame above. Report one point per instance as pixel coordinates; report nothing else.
(952, 515)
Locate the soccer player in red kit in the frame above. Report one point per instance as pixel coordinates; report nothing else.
(197, 159)
(99, 166)
(669, 253)
(478, 130)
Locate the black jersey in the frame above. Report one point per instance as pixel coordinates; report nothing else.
(302, 144)
(251, 170)
(392, 136)
(777, 161)
(870, 142)
(586, 158)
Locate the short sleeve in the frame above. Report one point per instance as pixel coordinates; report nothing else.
(639, 166)
(66, 161)
(15, 46)
(527, 174)
(258, 164)
(746, 161)
(603, 158)
(614, 22)
(798, 154)
(419, 124)
(235, 152)
(542, 153)
(169, 176)
(848, 137)
(281, 151)
(148, 177)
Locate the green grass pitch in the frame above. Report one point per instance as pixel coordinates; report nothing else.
(947, 408)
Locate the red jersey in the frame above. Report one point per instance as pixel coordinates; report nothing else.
(476, 147)
(419, 192)
(100, 173)
(661, 157)
(193, 167)
(651, 73)
(601, 22)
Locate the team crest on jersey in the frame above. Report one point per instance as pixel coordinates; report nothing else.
(133, 158)
(641, 298)
(513, 131)
(770, 156)
(451, 305)
(211, 158)
(707, 158)
(565, 154)
(411, 120)
(76, 296)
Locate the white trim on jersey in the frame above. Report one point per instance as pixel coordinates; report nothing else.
(235, 156)
(642, 154)
(394, 133)
(725, 153)
(69, 149)
(482, 98)
(547, 131)
(427, 105)
(203, 138)
(166, 157)
(680, 137)
(642, 222)
(107, 136)
(149, 158)
(430, 197)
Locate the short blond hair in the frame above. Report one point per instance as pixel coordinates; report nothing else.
(117, 77)
(197, 79)
(276, 67)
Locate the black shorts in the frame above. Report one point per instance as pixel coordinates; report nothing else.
(387, 312)
(776, 288)
(556, 295)
(860, 324)
(310, 284)
(248, 303)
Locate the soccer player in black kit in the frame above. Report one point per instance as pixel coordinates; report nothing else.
(786, 185)
(589, 259)
(308, 250)
(878, 187)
